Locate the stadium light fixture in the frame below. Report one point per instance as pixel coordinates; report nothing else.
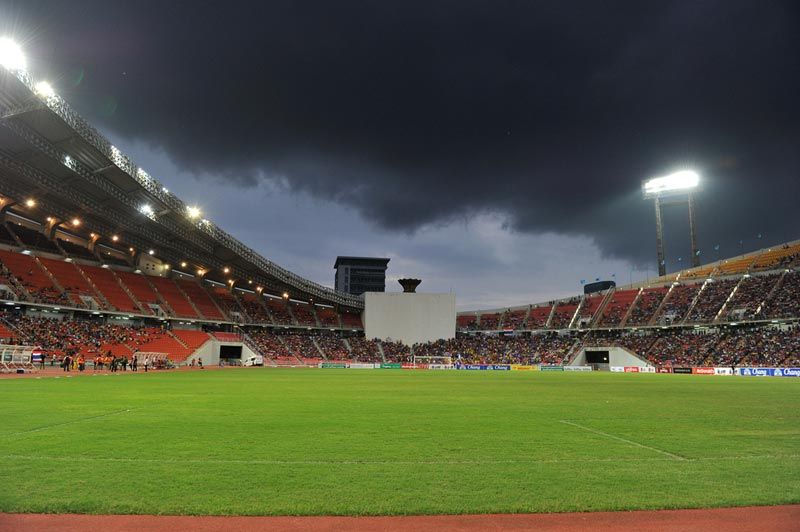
(11, 55)
(151, 252)
(183, 264)
(30, 203)
(259, 289)
(76, 222)
(286, 295)
(146, 209)
(671, 190)
(678, 181)
(114, 238)
(45, 90)
(201, 272)
(226, 270)
(130, 249)
(193, 212)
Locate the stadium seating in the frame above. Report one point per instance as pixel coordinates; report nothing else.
(351, 320)
(279, 312)
(304, 314)
(175, 299)
(139, 287)
(677, 303)
(467, 322)
(29, 274)
(618, 307)
(710, 300)
(33, 239)
(490, 322)
(514, 320)
(537, 318)
(71, 280)
(785, 302)
(749, 297)
(226, 301)
(646, 305)
(327, 317)
(254, 308)
(201, 299)
(364, 350)
(564, 313)
(590, 306)
(107, 284)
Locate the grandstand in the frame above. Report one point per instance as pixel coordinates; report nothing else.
(121, 264)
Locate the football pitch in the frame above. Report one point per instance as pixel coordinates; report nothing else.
(348, 442)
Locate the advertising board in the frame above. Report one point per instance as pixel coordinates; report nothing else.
(551, 368)
(577, 368)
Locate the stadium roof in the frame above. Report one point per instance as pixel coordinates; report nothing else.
(51, 153)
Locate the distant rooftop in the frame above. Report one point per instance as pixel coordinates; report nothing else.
(372, 260)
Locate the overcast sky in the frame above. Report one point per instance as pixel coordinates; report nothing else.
(493, 148)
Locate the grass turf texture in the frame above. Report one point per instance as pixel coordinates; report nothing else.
(264, 441)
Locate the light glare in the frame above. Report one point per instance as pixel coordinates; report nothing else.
(685, 179)
(45, 90)
(193, 212)
(11, 55)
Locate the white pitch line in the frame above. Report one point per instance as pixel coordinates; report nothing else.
(45, 427)
(12, 457)
(624, 440)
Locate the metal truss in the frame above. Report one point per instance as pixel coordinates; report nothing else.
(156, 190)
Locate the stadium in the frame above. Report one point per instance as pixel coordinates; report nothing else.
(154, 364)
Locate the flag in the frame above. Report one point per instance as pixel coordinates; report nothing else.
(583, 281)
(716, 248)
(759, 235)
(697, 253)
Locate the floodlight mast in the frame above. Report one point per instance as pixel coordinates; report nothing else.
(674, 185)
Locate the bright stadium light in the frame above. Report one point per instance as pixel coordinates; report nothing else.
(193, 211)
(679, 181)
(226, 270)
(183, 264)
(30, 203)
(151, 252)
(11, 55)
(45, 90)
(147, 209)
(76, 222)
(673, 189)
(114, 238)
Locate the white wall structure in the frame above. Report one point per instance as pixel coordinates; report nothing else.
(409, 317)
(617, 356)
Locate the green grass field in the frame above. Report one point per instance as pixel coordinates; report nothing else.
(265, 441)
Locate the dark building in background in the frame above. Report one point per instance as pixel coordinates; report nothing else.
(356, 275)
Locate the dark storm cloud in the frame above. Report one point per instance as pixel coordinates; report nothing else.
(417, 113)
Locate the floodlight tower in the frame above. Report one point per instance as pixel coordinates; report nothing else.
(678, 188)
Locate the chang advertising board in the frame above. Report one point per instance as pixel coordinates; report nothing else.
(770, 372)
(487, 367)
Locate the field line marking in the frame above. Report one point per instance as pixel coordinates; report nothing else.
(624, 440)
(80, 420)
(12, 457)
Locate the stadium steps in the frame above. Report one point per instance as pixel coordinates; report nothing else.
(380, 350)
(180, 288)
(628, 312)
(577, 312)
(661, 305)
(348, 346)
(730, 297)
(100, 296)
(289, 350)
(527, 316)
(253, 346)
(69, 278)
(598, 314)
(49, 274)
(695, 301)
(321, 351)
(107, 283)
(14, 235)
(775, 289)
(550, 316)
(143, 308)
